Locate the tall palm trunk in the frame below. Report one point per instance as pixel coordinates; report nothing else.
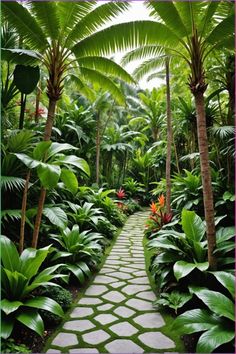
(98, 148)
(22, 111)
(47, 136)
(169, 136)
(206, 177)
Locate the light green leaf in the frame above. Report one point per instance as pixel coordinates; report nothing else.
(227, 280)
(194, 321)
(45, 303)
(75, 161)
(69, 179)
(28, 161)
(214, 337)
(40, 150)
(8, 306)
(49, 175)
(182, 268)
(192, 225)
(56, 215)
(32, 320)
(55, 148)
(9, 253)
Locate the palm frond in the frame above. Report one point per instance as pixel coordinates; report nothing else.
(83, 88)
(169, 14)
(105, 66)
(70, 12)
(142, 53)
(47, 17)
(149, 65)
(210, 11)
(222, 31)
(156, 75)
(20, 141)
(126, 36)
(25, 24)
(103, 82)
(222, 133)
(191, 11)
(96, 18)
(11, 215)
(56, 216)
(10, 183)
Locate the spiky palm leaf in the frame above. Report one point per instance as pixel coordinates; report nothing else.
(10, 183)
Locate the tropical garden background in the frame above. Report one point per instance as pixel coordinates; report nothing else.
(83, 147)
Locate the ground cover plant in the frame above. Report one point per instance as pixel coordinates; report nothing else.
(85, 145)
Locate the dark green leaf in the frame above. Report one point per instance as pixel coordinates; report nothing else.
(32, 320)
(26, 78)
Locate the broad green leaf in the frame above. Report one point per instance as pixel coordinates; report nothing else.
(194, 321)
(47, 17)
(214, 337)
(224, 29)
(13, 284)
(224, 234)
(69, 179)
(227, 280)
(28, 161)
(77, 271)
(75, 161)
(49, 175)
(32, 320)
(8, 306)
(192, 225)
(32, 259)
(217, 302)
(182, 268)
(56, 215)
(9, 253)
(7, 325)
(40, 150)
(45, 303)
(55, 148)
(26, 78)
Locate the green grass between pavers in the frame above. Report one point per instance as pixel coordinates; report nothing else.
(180, 348)
(101, 347)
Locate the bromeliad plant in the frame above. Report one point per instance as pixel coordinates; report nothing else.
(20, 279)
(159, 217)
(79, 250)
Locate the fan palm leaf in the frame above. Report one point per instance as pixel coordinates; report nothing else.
(47, 17)
(142, 53)
(149, 65)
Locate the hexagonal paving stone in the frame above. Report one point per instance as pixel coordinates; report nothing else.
(96, 337)
(103, 279)
(79, 325)
(150, 320)
(126, 270)
(105, 307)
(137, 266)
(114, 296)
(123, 311)
(83, 351)
(90, 301)
(105, 318)
(117, 284)
(53, 351)
(94, 290)
(81, 312)
(65, 339)
(156, 340)
(140, 273)
(120, 275)
(147, 295)
(140, 280)
(106, 270)
(140, 305)
(123, 346)
(134, 289)
(124, 329)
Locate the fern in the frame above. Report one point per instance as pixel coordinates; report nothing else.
(10, 183)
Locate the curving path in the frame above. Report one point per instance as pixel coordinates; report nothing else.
(116, 315)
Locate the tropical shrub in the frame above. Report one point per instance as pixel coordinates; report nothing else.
(62, 296)
(10, 346)
(80, 251)
(215, 318)
(133, 188)
(85, 215)
(21, 278)
(173, 300)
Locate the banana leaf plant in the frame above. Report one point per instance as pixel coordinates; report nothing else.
(51, 166)
(20, 277)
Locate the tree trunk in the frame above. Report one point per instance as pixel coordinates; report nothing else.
(176, 156)
(37, 101)
(23, 211)
(206, 177)
(98, 147)
(50, 119)
(22, 111)
(47, 136)
(169, 137)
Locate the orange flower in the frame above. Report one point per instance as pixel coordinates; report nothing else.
(154, 208)
(161, 201)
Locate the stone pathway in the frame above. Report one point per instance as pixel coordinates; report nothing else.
(116, 314)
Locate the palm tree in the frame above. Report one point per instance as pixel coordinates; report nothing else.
(191, 31)
(55, 30)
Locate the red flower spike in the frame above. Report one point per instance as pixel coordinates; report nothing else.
(121, 193)
(161, 201)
